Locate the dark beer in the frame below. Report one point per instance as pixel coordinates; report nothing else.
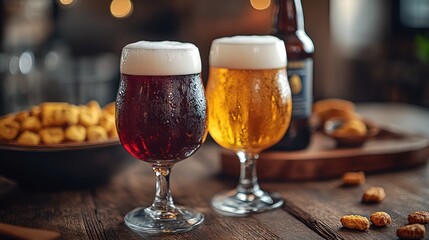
(289, 26)
(161, 117)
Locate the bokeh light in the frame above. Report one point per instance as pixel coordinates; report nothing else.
(66, 2)
(25, 62)
(121, 8)
(260, 4)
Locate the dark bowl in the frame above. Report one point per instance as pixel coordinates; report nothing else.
(350, 141)
(63, 166)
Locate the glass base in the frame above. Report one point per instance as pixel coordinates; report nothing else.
(178, 219)
(233, 203)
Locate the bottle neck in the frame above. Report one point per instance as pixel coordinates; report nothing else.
(290, 17)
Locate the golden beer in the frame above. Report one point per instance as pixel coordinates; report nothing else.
(248, 109)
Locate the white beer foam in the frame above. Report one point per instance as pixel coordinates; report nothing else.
(248, 52)
(160, 58)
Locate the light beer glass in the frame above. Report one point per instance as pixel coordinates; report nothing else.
(249, 105)
(161, 117)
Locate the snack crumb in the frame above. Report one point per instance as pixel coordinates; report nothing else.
(421, 217)
(380, 219)
(356, 222)
(353, 178)
(374, 195)
(413, 231)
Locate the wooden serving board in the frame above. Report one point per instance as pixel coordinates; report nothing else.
(388, 151)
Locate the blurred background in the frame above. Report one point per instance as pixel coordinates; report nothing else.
(68, 50)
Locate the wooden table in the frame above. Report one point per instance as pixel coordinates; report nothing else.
(312, 209)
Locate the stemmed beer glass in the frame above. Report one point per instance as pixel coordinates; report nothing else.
(161, 117)
(249, 105)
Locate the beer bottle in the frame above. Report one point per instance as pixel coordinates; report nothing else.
(289, 26)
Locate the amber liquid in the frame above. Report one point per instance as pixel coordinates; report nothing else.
(249, 110)
(161, 118)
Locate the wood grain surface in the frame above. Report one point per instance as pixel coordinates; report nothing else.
(312, 209)
(322, 159)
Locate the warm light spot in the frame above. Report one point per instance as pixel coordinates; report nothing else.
(121, 8)
(260, 4)
(66, 2)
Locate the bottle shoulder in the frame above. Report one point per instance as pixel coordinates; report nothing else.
(298, 44)
(308, 43)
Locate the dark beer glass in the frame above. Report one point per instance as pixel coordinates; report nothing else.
(161, 117)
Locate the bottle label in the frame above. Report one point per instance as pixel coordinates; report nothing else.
(300, 75)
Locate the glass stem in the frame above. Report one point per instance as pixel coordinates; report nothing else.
(248, 188)
(163, 205)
